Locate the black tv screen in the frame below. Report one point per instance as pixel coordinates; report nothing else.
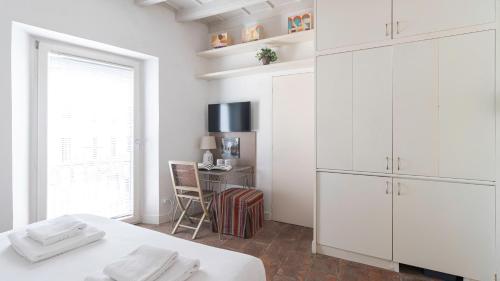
(229, 117)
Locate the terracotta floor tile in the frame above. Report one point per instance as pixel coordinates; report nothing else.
(272, 263)
(296, 264)
(320, 276)
(284, 278)
(325, 264)
(376, 274)
(285, 251)
(254, 248)
(350, 271)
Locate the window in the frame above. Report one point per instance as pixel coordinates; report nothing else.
(88, 116)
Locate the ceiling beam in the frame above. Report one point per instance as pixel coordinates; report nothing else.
(149, 2)
(212, 8)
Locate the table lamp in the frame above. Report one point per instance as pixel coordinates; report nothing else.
(208, 142)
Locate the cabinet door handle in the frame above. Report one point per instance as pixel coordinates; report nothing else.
(399, 188)
(387, 163)
(399, 162)
(397, 27)
(386, 29)
(387, 191)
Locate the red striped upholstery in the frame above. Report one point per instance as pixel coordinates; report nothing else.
(238, 212)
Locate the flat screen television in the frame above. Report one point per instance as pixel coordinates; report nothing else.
(229, 117)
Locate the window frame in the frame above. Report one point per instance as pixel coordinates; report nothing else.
(38, 201)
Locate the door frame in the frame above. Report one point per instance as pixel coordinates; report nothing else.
(38, 155)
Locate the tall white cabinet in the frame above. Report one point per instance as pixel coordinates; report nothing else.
(415, 107)
(372, 110)
(405, 135)
(368, 201)
(334, 94)
(412, 17)
(448, 227)
(342, 23)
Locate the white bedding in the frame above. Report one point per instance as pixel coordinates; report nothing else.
(121, 239)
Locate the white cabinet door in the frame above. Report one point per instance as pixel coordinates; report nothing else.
(425, 16)
(416, 123)
(447, 227)
(341, 23)
(354, 213)
(467, 106)
(372, 110)
(293, 149)
(334, 112)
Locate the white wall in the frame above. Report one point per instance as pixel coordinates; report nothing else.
(120, 23)
(259, 90)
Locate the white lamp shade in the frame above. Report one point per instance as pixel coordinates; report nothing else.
(208, 142)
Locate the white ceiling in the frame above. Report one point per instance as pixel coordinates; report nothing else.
(266, 7)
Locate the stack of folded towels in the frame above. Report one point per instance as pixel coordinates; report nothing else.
(53, 237)
(148, 263)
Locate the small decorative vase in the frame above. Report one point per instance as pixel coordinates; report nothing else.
(266, 61)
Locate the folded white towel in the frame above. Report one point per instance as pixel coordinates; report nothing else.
(55, 230)
(182, 269)
(34, 251)
(146, 263)
(98, 277)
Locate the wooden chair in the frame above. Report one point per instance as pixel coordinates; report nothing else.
(186, 183)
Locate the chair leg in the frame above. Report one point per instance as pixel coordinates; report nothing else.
(199, 226)
(172, 220)
(184, 211)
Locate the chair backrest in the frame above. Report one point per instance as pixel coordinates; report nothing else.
(185, 179)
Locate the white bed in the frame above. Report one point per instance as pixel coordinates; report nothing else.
(121, 238)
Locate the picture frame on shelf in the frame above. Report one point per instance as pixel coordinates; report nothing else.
(220, 40)
(252, 33)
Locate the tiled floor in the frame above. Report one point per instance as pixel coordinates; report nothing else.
(286, 252)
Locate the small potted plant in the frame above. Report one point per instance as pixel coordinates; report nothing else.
(267, 56)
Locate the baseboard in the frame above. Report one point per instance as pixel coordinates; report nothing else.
(267, 216)
(168, 217)
(355, 257)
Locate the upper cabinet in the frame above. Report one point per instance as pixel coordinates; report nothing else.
(372, 110)
(424, 108)
(416, 117)
(343, 23)
(467, 106)
(425, 16)
(334, 111)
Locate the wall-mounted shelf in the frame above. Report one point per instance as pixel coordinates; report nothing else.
(276, 67)
(293, 38)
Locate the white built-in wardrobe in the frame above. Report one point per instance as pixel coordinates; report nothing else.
(405, 133)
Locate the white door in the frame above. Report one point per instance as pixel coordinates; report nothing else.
(334, 112)
(372, 110)
(354, 213)
(424, 16)
(343, 23)
(467, 106)
(293, 149)
(447, 227)
(416, 122)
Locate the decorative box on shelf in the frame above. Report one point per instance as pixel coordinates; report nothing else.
(300, 23)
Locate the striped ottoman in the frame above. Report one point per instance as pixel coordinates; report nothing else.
(238, 212)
